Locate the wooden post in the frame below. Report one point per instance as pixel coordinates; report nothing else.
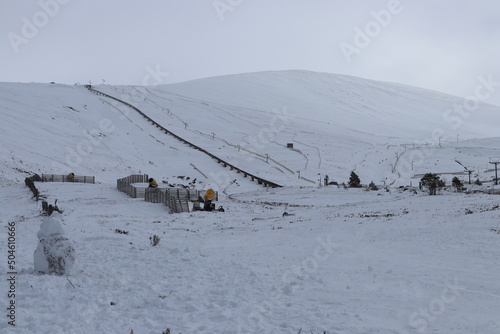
(496, 172)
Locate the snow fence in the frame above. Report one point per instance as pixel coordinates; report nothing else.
(65, 178)
(176, 199)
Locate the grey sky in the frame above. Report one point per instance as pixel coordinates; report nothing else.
(442, 45)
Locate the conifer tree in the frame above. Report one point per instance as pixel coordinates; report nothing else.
(457, 183)
(354, 181)
(432, 182)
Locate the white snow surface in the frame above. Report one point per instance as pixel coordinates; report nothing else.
(296, 259)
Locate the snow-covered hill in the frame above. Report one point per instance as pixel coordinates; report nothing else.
(296, 259)
(336, 123)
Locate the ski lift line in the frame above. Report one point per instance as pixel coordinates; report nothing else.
(117, 109)
(443, 173)
(279, 169)
(196, 168)
(308, 180)
(239, 147)
(259, 180)
(263, 156)
(458, 162)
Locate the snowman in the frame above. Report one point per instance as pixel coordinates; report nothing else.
(55, 252)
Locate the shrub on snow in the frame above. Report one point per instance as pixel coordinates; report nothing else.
(55, 252)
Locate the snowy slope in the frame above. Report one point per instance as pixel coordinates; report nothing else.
(58, 129)
(336, 123)
(340, 261)
(348, 103)
(339, 123)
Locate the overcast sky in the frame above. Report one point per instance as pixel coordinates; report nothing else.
(444, 45)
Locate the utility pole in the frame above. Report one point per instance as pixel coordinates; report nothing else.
(470, 172)
(496, 171)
